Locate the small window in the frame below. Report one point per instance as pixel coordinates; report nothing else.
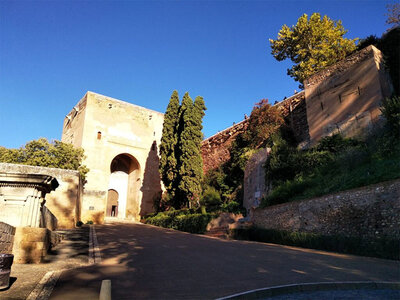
(153, 147)
(99, 135)
(322, 106)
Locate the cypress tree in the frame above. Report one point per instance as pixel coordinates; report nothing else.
(168, 158)
(191, 164)
(184, 149)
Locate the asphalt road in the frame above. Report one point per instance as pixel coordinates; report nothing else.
(146, 262)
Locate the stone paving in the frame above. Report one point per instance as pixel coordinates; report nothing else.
(72, 252)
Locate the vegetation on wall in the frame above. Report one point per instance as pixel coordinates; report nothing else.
(181, 165)
(264, 121)
(43, 153)
(335, 163)
(312, 44)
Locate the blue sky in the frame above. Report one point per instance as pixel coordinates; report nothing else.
(52, 52)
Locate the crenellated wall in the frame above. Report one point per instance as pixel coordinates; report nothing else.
(215, 149)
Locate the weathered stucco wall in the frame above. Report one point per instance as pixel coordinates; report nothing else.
(106, 128)
(346, 96)
(254, 180)
(65, 201)
(7, 233)
(371, 211)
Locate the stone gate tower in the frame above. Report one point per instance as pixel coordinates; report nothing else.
(121, 143)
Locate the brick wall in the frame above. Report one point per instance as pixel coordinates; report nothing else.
(371, 211)
(7, 233)
(215, 149)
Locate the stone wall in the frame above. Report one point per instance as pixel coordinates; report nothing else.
(371, 211)
(65, 201)
(295, 112)
(7, 233)
(31, 244)
(215, 149)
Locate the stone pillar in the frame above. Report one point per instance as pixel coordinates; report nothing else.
(22, 198)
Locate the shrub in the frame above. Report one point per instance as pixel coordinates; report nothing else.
(391, 110)
(90, 222)
(211, 198)
(232, 207)
(160, 220)
(193, 223)
(79, 224)
(185, 220)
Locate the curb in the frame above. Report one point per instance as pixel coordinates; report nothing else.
(312, 287)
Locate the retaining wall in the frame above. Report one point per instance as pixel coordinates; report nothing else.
(371, 211)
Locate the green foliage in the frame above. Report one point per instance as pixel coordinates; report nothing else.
(191, 163)
(168, 160)
(312, 44)
(211, 198)
(183, 220)
(384, 247)
(181, 164)
(90, 222)
(391, 110)
(335, 164)
(264, 121)
(193, 223)
(232, 207)
(79, 224)
(45, 154)
(389, 44)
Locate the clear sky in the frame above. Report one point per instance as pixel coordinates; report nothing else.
(52, 52)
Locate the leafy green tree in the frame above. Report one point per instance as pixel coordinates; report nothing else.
(312, 44)
(45, 154)
(169, 140)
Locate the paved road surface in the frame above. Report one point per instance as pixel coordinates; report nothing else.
(146, 262)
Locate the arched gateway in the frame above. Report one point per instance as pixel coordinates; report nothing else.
(124, 184)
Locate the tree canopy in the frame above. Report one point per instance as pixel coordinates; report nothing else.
(43, 153)
(312, 44)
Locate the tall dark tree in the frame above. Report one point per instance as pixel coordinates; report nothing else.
(181, 165)
(169, 140)
(185, 150)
